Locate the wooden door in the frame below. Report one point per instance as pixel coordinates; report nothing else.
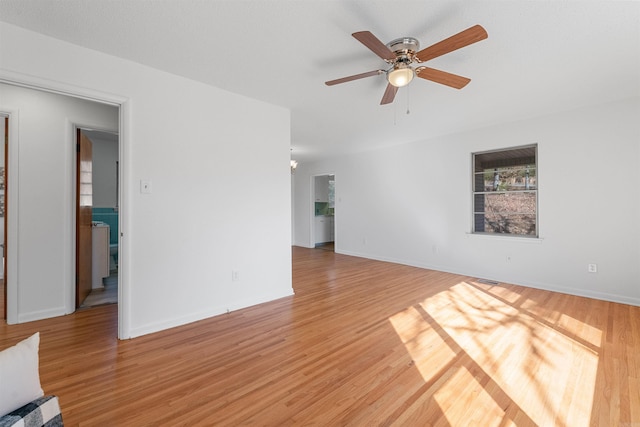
(84, 210)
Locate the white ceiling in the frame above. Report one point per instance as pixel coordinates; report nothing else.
(541, 57)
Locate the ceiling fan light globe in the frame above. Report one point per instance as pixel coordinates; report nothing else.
(400, 77)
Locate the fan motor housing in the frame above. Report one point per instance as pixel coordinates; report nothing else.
(404, 46)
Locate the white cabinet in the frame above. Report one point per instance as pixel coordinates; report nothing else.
(322, 189)
(324, 229)
(99, 255)
(320, 229)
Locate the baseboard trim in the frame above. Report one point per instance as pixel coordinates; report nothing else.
(603, 296)
(195, 317)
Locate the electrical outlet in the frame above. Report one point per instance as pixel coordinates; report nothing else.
(235, 276)
(592, 268)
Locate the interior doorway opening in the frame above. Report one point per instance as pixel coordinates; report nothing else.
(97, 219)
(323, 229)
(46, 162)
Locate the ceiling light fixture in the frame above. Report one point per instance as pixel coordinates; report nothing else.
(401, 75)
(294, 164)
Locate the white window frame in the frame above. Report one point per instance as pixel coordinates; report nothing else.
(512, 153)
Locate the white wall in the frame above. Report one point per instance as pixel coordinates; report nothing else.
(210, 174)
(412, 204)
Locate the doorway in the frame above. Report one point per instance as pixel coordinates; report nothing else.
(97, 230)
(323, 212)
(47, 178)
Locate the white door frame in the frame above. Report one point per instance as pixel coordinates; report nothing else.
(123, 104)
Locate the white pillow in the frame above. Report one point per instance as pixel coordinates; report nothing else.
(19, 376)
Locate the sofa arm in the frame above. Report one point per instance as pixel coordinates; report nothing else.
(44, 411)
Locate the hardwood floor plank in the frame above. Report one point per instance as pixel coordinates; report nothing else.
(361, 342)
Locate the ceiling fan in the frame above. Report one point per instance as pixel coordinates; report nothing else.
(401, 53)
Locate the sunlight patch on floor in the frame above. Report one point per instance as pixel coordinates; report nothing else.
(518, 356)
(573, 327)
(581, 330)
(470, 404)
(424, 344)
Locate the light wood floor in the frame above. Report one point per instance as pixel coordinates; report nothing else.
(362, 343)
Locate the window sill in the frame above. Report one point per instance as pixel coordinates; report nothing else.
(518, 239)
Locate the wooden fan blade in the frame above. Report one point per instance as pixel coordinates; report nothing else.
(455, 42)
(375, 45)
(354, 77)
(389, 94)
(442, 77)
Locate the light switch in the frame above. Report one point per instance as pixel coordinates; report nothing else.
(145, 186)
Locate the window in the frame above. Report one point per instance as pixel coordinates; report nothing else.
(505, 192)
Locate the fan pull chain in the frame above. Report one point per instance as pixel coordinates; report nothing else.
(395, 114)
(408, 102)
